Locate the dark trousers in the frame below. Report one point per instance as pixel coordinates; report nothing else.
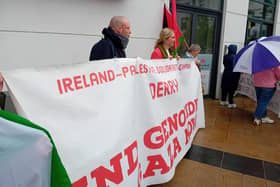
(228, 92)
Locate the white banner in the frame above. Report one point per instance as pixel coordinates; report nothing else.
(119, 122)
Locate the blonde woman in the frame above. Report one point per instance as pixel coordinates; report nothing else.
(164, 44)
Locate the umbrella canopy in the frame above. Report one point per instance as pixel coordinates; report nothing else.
(258, 56)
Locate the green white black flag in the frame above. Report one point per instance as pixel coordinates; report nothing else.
(28, 156)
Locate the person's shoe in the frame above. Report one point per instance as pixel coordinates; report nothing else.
(267, 120)
(223, 103)
(232, 105)
(257, 122)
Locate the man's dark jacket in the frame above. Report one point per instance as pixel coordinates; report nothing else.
(108, 47)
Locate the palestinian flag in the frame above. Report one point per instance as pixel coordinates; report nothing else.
(28, 156)
(170, 21)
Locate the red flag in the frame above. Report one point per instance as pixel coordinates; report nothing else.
(167, 18)
(170, 21)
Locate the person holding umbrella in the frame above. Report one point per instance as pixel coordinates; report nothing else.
(265, 85)
(262, 59)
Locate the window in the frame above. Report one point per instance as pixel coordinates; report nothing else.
(261, 11)
(260, 19)
(208, 4)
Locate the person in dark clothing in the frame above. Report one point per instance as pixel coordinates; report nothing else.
(115, 40)
(230, 79)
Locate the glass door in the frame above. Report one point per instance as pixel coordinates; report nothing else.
(204, 36)
(201, 29)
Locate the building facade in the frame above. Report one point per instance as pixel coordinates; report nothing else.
(214, 24)
(41, 33)
(236, 25)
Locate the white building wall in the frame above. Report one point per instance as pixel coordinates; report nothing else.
(233, 31)
(276, 30)
(41, 32)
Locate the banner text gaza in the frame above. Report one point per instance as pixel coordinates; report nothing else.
(162, 136)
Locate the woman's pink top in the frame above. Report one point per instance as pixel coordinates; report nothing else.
(156, 54)
(268, 78)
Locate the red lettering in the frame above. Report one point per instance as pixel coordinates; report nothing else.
(173, 125)
(196, 103)
(133, 70)
(159, 89)
(85, 82)
(132, 163)
(102, 77)
(148, 138)
(101, 173)
(111, 75)
(182, 118)
(171, 85)
(82, 182)
(93, 78)
(139, 175)
(67, 82)
(152, 90)
(77, 82)
(165, 131)
(176, 84)
(124, 71)
(193, 120)
(191, 107)
(59, 86)
(188, 131)
(170, 155)
(143, 68)
(177, 147)
(155, 162)
(186, 110)
(184, 66)
(166, 89)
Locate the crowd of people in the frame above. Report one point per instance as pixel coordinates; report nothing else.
(116, 38)
(115, 41)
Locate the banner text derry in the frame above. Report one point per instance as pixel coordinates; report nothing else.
(163, 88)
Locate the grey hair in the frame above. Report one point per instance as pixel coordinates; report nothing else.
(195, 47)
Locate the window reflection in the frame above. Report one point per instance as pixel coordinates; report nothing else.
(255, 10)
(185, 23)
(257, 30)
(272, 2)
(260, 19)
(209, 4)
(205, 34)
(253, 31)
(269, 12)
(261, 11)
